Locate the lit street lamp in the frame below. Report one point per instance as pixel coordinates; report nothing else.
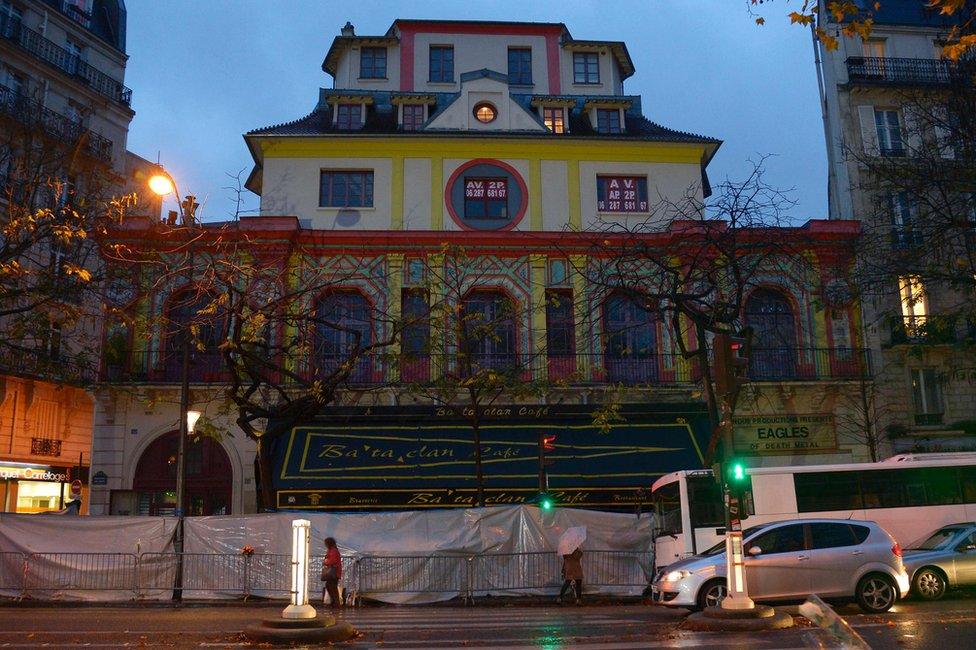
(163, 184)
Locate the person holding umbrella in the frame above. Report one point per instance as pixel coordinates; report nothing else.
(570, 549)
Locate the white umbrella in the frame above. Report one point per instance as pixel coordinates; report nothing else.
(572, 539)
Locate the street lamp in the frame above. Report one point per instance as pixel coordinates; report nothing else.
(162, 185)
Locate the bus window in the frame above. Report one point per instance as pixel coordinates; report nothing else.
(825, 491)
(667, 507)
(705, 499)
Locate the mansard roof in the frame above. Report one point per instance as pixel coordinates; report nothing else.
(381, 119)
(907, 13)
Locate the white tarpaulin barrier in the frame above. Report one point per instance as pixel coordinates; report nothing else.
(424, 556)
(82, 558)
(400, 557)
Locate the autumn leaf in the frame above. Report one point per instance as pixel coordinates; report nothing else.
(760, 21)
(797, 18)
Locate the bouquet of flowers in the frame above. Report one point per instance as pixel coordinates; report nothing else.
(247, 550)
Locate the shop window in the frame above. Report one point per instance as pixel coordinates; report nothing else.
(586, 68)
(520, 66)
(372, 63)
(441, 67)
(346, 189)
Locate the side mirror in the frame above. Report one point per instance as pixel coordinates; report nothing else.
(754, 550)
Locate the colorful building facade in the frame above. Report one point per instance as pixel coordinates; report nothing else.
(490, 169)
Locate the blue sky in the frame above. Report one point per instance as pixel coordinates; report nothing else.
(203, 73)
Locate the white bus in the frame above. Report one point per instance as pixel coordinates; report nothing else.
(909, 495)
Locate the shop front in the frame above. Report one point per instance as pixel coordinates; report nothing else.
(30, 488)
(423, 457)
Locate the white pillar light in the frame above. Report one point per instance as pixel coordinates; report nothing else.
(299, 607)
(738, 594)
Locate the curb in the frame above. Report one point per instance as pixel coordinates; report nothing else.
(715, 619)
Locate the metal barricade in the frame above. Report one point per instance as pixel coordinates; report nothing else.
(618, 568)
(514, 572)
(413, 574)
(220, 572)
(55, 572)
(269, 575)
(157, 574)
(13, 572)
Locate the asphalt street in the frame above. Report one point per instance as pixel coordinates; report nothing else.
(950, 623)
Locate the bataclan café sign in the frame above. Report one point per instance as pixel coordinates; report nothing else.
(785, 434)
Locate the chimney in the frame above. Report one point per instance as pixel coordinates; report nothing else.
(348, 29)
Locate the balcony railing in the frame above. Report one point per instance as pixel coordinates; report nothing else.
(809, 364)
(54, 55)
(925, 329)
(905, 238)
(36, 364)
(659, 369)
(30, 112)
(884, 71)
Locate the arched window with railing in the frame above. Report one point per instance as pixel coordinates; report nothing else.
(193, 319)
(769, 313)
(487, 335)
(344, 328)
(630, 335)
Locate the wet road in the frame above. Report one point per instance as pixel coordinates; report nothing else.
(947, 624)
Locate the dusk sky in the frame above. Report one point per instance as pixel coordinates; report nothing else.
(203, 73)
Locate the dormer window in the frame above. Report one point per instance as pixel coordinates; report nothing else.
(554, 117)
(349, 117)
(372, 63)
(520, 66)
(608, 120)
(413, 117)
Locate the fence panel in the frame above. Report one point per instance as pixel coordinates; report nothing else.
(618, 568)
(215, 572)
(13, 568)
(515, 571)
(81, 572)
(387, 574)
(157, 574)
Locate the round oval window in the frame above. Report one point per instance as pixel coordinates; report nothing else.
(485, 113)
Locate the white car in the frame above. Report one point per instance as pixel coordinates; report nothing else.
(788, 560)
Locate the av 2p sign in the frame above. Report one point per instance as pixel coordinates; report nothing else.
(809, 433)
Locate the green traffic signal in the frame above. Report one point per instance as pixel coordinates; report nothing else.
(737, 471)
(546, 504)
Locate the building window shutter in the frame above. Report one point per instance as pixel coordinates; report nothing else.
(869, 133)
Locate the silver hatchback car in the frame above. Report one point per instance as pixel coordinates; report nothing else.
(944, 558)
(788, 560)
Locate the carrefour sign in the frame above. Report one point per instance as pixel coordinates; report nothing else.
(33, 474)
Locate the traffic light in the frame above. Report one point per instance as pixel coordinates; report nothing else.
(547, 445)
(546, 502)
(731, 365)
(739, 485)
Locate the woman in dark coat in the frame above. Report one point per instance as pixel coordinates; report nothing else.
(572, 575)
(332, 571)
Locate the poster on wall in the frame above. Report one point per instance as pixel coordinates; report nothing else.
(809, 433)
(622, 194)
(423, 457)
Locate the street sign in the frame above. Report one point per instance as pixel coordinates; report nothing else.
(75, 488)
(99, 478)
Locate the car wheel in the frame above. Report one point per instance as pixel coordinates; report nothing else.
(929, 584)
(876, 593)
(712, 594)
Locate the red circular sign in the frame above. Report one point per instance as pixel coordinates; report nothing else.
(76, 487)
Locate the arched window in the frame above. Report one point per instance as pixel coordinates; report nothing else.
(343, 327)
(630, 355)
(189, 318)
(487, 335)
(209, 477)
(774, 350)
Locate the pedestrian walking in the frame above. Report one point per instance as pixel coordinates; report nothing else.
(332, 572)
(572, 575)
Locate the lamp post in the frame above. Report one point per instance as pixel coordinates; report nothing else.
(162, 185)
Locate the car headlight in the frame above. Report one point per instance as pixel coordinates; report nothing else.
(674, 576)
